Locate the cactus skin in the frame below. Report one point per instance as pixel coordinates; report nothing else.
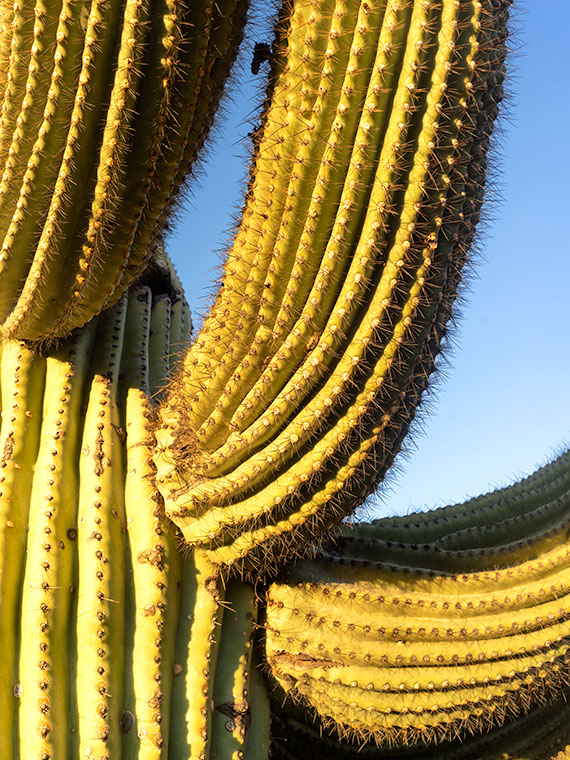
(304, 379)
(109, 147)
(405, 654)
(95, 592)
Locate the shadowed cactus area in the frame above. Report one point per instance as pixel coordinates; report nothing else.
(173, 584)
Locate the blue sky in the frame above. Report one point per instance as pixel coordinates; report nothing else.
(501, 406)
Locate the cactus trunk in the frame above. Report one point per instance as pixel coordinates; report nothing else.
(106, 626)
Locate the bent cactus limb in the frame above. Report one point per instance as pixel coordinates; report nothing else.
(365, 190)
(105, 108)
(409, 645)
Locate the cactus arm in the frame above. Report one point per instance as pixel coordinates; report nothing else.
(23, 378)
(481, 516)
(89, 97)
(19, 24)
(232, 710)
(110, 147)
(221, 25)
(49, 573)
(345, 402)
(268, 183)
(315, 299)
(389, 643)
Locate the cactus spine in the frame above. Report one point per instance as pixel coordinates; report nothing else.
(294, 400)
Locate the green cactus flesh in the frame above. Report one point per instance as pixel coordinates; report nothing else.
(407, 644)
(104, 107)
(109, 634)
(297, 392)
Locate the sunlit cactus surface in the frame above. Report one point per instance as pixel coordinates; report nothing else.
(175, 576)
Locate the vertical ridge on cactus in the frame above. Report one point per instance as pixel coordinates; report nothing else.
(23, 379)
(109, 141)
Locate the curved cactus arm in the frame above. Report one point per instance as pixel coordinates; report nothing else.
(365, 190)
(388, 651)
(483, 520)
(105, 108)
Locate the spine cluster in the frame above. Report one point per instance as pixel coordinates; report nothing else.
(103, 108)
(364, 195)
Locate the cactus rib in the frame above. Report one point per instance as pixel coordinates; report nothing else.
(23, 378)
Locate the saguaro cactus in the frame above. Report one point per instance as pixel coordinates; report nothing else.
(126, 632)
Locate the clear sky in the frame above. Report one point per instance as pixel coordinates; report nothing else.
(502, 407)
